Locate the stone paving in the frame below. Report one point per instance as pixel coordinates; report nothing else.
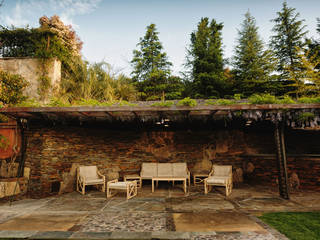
(165, 214)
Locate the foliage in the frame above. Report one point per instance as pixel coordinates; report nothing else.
(65, 33)
(30, 102)
(289, 34)
(4, 142)
(220, 102)
(44, 86)
(11, 88)
(305, 76)
(295, 225)
(96, 81)
(205, 60)
(151, 69)
(309, 100)
(187, 102)
(253, 66)
(286, 100)
(58, 102)
(163, 104)
(262, 99)
(305, 116)
(91, 102)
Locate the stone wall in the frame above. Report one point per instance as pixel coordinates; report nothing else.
(52, 151)
(32, 69)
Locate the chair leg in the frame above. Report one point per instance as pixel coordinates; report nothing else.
(83, 189)
(205, 187)
(104, 187)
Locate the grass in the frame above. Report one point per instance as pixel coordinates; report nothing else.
(295, 225)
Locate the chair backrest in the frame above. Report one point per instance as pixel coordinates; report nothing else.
(165, 170)
(88, 172)
(179, 169)
(149, 170)
(222, 170)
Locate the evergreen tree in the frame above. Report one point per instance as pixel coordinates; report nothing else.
(151, 69)
(253, 66)
(314, 44)
(289, 33)
(205, 60)
(305, 76)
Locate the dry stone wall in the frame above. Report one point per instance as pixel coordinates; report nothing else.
(51, 153)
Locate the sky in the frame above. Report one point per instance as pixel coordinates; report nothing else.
(111, 29)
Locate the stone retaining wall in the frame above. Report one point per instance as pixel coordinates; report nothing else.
(32, 69)
(52, 151)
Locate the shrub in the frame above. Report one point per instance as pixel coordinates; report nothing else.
(309, 100)
(11, 88)
(220, 102)
(187, 102)
(163, 104)
(28, 103)
(262, 99)
(306, 116)
(286, 100)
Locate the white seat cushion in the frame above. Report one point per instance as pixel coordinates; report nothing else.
(94, 181)
(221, 170)
(88, 172)
(217, 179)
(119, 185)
(180, 169)
(165, 170)
(149, 170)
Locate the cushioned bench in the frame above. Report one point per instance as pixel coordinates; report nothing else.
(168, 171)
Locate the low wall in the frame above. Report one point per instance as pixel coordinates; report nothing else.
(32, 69)
(52, 151)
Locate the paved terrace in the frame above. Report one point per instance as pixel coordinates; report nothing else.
(165, 214)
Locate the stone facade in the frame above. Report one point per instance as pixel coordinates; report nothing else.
(52, 151)
(32, 69)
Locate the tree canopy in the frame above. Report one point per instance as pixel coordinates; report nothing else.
(289, 33)
(152, 69)
(253, 65)
(205, 60)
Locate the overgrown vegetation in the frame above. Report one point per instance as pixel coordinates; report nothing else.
(187, 102)
(11, 88)
(286, 72)
(163, 104)
(295, 225)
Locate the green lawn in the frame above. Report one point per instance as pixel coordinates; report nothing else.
(295, 225)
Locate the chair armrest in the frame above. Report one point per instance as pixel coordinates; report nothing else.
(81, 179)
(112, 181)
(211, 173)
(99, 174)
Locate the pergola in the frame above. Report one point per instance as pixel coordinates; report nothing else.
(279, 114)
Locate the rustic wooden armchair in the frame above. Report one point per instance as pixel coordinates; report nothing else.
(89, 175)
(220, 175)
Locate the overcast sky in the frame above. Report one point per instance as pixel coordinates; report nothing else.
(110, 29)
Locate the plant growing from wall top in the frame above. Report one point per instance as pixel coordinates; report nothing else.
(11, 88)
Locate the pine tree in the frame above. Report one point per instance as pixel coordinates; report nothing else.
(289, 33)
(253, 66)
(151, 69)
(305, 76)
(205, 60)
